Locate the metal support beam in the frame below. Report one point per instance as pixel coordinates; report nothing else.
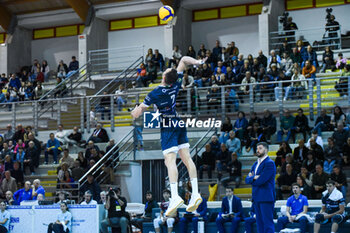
(311, 99)
(81, 7)
(5, 18)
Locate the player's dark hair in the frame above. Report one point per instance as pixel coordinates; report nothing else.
(264, 144)
(230, 188)
(149, 192)
(295, 184)
(171, 77)
(166, 191)
(331, 182)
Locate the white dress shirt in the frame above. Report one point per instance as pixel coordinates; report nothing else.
(230, 204)
(260, 160)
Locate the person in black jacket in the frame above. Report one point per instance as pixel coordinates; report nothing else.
(268, 124)
(300, 152)
(316, 150)
(99, 135)
(222, 159)
(92, 186)
(208, 162)
(234, 167)
(262, 59)
(323, 123)
(340, 179)
(301, 124)
(158, 59)
(150, 204)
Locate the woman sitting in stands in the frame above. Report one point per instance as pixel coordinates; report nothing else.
(63, 223)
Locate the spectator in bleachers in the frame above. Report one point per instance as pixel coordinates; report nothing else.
(104, 106)
(274, 58)
(300, 152)
(214, 98)
(151, 74)
(341, 61)
(61, 88)
(253, 119)
(255, 135)
(240, 125)
(202, 76)
(295, 56)
(287, 122)
(120, 97)
(158, 59)
(23, 194)
(262, 59)
(234, 168)
(77, 171)
(17, 173)
(215, 144)
(150, 204)
(316, 150)
(34, 66)
(346, 153)
(285, 181)
(306, 175)
(45, 69)
(301, 49)
(289, 160)
(14, 82)
(90, 146)
(92, 186)
(310, 162)
(268, 124)
(191, 52)
(332, 151)
(40, 77)
(304, 187)
(103, 197)
(9, 198)
(222, 159)
(286, 64)
(233, 144)
(273, 71)
(328, 164)
(8, 184)
(75, 136)
(231, 211)
(309, 70)
(222, 68)
(339, 177)
(285, 48)
(297, 88)
(342, 85)
(12, 96)
(37, 189)
(311, 56)
(176, 56)
(300, 125)
(37, 146)
(30, 157)
(236, 69)
(327, 59)
(19, 144)
(73, 67)
(19, 134)
(88, 199)
(38, 91)
(233, 50)
(62, 69)
(141, 74)
(187, 81)
(6, 151)
(340, 136)
(323, 123)
(243, 70)
(19, 156)
(211, 60)
(297, 206)
(82, 159)
(162, 219)
(208, 162)
(99, 135)
(149, 56)
(62, 136)
(333, 205)
(246, 83)
(319, 179)
(66, 158)
(225, 56)
(217, 49)
(201, 51)
(337, 117)
(52, 147)
(282, 152)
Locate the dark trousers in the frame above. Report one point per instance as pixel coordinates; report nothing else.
(248, 224)
(57, 228)
(3, 229)
(184, 221)
(29, 164)
(203, 168)
(264, 217)
(53, 152)
(283, 221)
(220, 223)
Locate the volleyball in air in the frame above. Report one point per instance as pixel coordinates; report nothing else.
(166, 13)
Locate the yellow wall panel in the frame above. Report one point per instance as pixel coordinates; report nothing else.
(44, 33)
(148, 21)
(255, 9)
(161, 22)
(121, 24)
(298, 4)
(233, 11)
(67, 31)
(324, 3)
(205, 15)
(2, 38)
(81, 29)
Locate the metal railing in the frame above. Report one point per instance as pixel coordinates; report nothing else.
(114, 157)
(75, 111)
(319, 38)
(114, 60)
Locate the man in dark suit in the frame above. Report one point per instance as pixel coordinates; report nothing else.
(300, 152)
(262, 178)
(231, 211)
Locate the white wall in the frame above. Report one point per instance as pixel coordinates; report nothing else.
(243, 30)
(315, 18)
(152, 37)
(55, 49)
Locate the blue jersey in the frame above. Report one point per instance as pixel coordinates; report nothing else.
(164, 97)
(297, 205)
(332, 201)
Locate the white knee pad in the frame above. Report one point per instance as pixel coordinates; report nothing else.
(156, 222)
(170, 222)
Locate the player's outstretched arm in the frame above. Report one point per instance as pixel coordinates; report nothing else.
(138, 110)
(186, 61)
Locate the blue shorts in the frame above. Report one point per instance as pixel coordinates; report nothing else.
(173, 139)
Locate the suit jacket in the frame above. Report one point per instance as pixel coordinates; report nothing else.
(202, 208)
(296, 154)
(264, 186)
(236, 206)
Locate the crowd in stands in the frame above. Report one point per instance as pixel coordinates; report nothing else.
(27, 84)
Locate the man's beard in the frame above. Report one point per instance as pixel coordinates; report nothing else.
(259, 155)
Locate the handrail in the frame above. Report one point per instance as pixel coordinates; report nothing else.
(99, 163)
